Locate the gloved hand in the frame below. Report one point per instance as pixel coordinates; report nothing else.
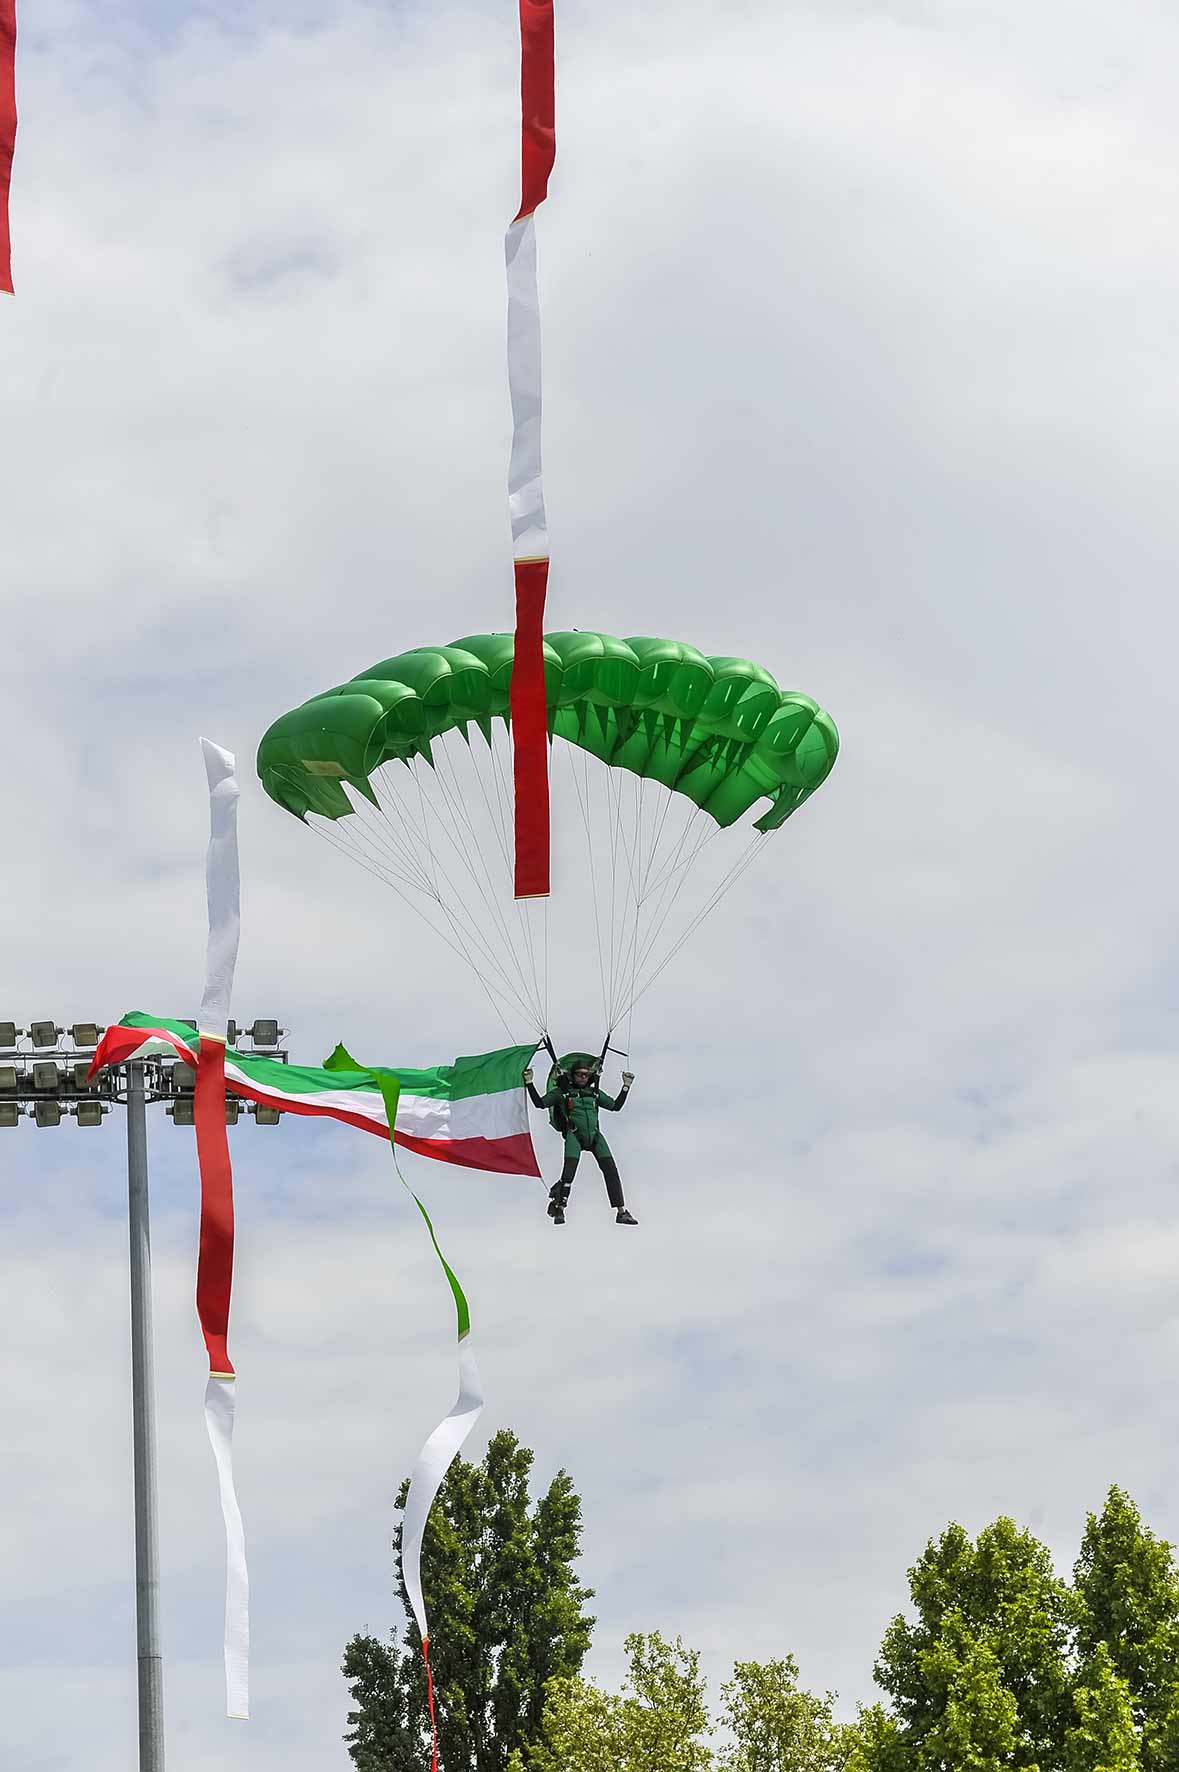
(528, 1075)
(628, 1078)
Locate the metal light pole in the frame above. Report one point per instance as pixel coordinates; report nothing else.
(143, 1418)
(43, 1080)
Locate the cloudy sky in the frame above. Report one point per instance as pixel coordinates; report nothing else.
(861, 354)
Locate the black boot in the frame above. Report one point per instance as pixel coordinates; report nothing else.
(624, 1217)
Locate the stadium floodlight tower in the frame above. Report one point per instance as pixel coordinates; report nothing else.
(44, 1072)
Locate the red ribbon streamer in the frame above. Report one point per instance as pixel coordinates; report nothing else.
(215, 1261)
(530, 761)
(538, 103)
(430, 1701)
(7, 132)
(530, 751)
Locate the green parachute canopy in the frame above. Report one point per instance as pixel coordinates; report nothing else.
(408, 769)
(717, 730)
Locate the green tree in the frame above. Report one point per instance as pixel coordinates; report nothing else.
(777, 1727)
(876, 1743)
(994, 1624)
(1103, 1738)
(507, 1616)
(1128, 1591)
(656, 1725)
(977, 1723)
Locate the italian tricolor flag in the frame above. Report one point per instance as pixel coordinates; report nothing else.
(473, 1112)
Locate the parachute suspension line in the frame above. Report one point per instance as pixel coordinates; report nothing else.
(631, 920)
(546, 965)
(495, 988)
(633, 905)
(353, 855)
(612, 832)
(459, 816)
(694, 835)
(628, 847)
(497, 925)
(591, 853)
(522, 906)
(750, 854)
(583, 802)
(668, 896)
(475, 947)
(522, 918)
(374, 837)
(468, 934)
(634, 946)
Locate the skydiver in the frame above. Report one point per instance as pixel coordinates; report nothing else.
(573, 1099)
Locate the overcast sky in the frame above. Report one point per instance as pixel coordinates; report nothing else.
(860, 352)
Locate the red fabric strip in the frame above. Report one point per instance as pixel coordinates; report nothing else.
(7, 131)
(215, 1261)
(537, 102)
(514, 1155)
(430, 1700)
(530, 750)
(119, 1046)
(501, 1156)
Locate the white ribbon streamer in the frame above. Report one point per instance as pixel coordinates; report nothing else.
(223, 886)
(530, 534)
(220, 1402)
(434, 1460)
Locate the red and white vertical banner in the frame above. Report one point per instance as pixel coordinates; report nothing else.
(7, 132)
(215, 1260)
(530, 536)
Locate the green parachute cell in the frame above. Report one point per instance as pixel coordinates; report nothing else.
(718, 731)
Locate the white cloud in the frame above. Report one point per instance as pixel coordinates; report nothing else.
(859, 340)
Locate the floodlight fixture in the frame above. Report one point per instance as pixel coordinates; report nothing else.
(45, 1033)
(233, 1108)
(89, 1113)
(9, 1079)
(183, 1076)
(9, 1035)
(86, 1033)
(266, 1116)
(47, 1113)
(80, 1072)
(10, 1112)
(232, 1033)
(264, 1033)
(46, 1076)
(181, 1111)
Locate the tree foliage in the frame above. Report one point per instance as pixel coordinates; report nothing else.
(1103, 1739)
(991, 1640)
(657, 1723)
(1006, 1666)
(999, 1666)
(776, 1726)
(507, 1616)
(1128, 1603)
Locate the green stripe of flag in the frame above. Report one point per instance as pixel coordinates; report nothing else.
(488, 1073)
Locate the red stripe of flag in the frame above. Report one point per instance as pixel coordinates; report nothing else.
(530, 750)
(7, 131)
(537, 102)
(215, 1261)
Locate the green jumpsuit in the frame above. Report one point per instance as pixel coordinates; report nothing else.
(583, 1133)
